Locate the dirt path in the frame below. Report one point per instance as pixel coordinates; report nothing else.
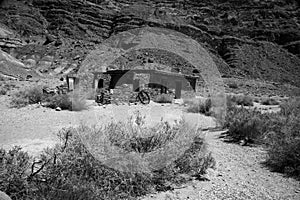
(238, 175)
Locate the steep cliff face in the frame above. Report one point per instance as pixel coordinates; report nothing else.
(57, 34)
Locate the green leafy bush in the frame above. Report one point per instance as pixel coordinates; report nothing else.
(246, 124)
(292, 106)
(199, 106)
(242, 100)
(278, 132)
(3, 91)
(28, 96)
(283, 140)
(163, 98)
(71, 171)
(73, 101)
(14, 166)
(269, 101)
(5, 87)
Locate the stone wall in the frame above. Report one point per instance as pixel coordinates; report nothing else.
(122, 94)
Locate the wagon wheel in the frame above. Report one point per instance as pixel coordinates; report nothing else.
(143, 97)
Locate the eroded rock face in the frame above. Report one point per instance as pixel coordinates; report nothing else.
(10, 66)
(70, 28)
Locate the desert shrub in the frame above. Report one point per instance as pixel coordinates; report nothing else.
(59, 100)
(5, 87)
(28, 96)
(291, 106)
(3, 91)
(78, 101)
(163, 98)
(232, 85)
(73, 101)
(242, 100)
(246, 124)
(14, 166)
(278, 132)
(71, 171)
(283, 140)
(269, 101)
(199, 106)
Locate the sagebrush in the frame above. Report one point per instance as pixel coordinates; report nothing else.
(278, 132)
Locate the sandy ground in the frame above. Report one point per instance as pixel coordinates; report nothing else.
(239, 174)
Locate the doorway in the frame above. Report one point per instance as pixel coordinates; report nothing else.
(178, 90)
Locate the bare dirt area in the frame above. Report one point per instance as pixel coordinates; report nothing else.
(239, 174)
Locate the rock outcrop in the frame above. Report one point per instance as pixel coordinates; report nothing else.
(67, 30)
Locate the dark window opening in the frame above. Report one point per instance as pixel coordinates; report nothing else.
(196, 71)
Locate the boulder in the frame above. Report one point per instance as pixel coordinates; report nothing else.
(58, 109)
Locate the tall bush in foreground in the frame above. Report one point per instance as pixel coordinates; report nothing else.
(71, 171)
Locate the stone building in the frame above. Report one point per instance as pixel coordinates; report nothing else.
(124, 84)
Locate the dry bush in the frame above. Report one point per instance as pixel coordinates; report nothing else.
(242, 100)
(14, 166)
(232, 85)
(3, 91)
(163, 98)
(246, 124)
(59, 100)
(71, 171)
(5, 87)
(72, 101)
(292, 106)
(27, 96)
(278, 132)
(283, 140)
(269, 101)
(199, 106)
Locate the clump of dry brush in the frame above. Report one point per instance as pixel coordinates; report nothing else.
(76, 169)
(278, 132)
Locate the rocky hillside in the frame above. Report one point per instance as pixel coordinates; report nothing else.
(257, 39)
